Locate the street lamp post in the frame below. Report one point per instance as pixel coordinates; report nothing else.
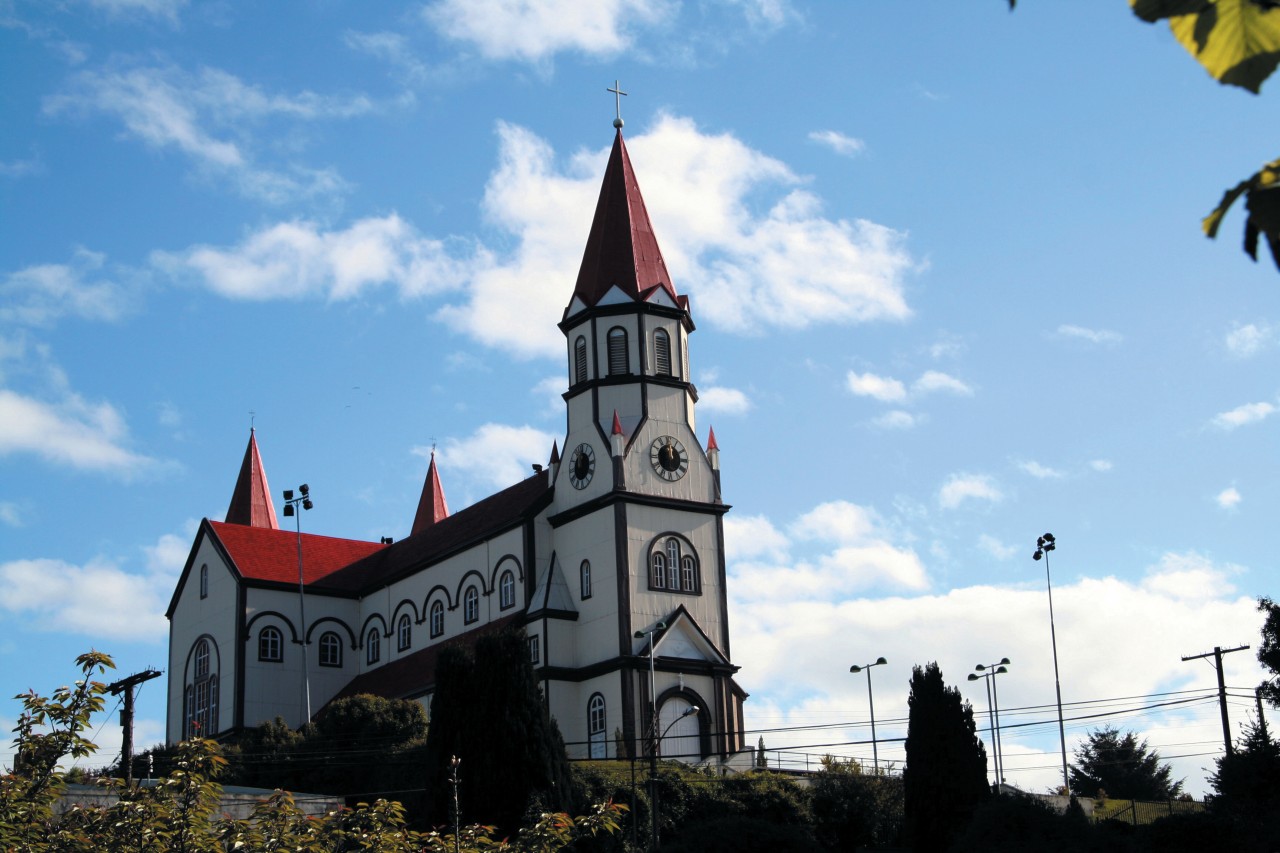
(1044, 545)
(988, 674)
(291, 505)
(653, 727)
(457, 811)
(653, 778)
(875, 752)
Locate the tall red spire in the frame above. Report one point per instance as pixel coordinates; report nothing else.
(251, 501)
(621, 248)
(431, 507)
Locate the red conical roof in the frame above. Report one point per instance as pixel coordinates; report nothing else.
(711, 440)
(431, 507)
(621, 249)
(251, 501)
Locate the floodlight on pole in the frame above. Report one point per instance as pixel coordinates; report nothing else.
(988, 673)
(291, 505)
(653, 727)
(875, 752)
(1044, 545)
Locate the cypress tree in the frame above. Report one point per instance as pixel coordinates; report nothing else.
(945, 777)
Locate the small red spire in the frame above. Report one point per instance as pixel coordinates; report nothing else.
(711, 440)
(431, 507)
(617, 424)
(251, 501)
(555, 453)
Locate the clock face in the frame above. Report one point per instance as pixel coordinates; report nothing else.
(668, 458)
(582, 466)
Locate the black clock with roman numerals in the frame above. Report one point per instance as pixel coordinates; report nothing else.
(669, 458)
(582, 466)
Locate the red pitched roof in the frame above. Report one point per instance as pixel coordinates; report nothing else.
(251, 501)
(621, 248)
(431, 506)
(272, 555)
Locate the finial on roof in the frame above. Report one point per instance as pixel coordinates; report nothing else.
(251, 501)
(555, 453)
(617, 424)
(431, 506)
(711, 440)
(617, 103)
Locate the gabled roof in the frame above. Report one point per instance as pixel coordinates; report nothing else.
(622, 250)
(251, 501)
(272, 555)
(551, 592)
(431, 506)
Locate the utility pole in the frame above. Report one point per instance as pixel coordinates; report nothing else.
(1217, 654)
(125, 686)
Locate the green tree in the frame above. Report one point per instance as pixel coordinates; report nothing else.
(945, 778)
(1247, 782)
(1121, 766)
(488, 711)
(852, 810)
(1269, 651)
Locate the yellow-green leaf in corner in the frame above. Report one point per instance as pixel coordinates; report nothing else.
(1237, 41)
(1262, 200)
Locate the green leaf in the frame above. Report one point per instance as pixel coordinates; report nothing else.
(1237, 41)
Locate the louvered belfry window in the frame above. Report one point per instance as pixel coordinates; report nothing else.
(618, 364)
(579, 360)
(661, 353)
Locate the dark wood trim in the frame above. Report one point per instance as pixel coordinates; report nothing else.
(239, 650)
(658, 501)
(622, 575)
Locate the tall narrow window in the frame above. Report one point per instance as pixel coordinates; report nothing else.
(579, 360)
(330, 649)
(659, 579)
(673, 563)
(404, 632)
(687, 574)
(585, 577)
(437, 619)
(661, 353)
(204, 581)
(372, 646)
(535, 656)
(618, 361)
(201, 695)
(596, 725)
(470, 605)
(270, 645)
(507, 590)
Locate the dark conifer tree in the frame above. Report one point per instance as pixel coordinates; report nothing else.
(1269, 650)
(945, 777)
(1121, 766)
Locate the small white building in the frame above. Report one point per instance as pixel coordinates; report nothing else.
(621, 535)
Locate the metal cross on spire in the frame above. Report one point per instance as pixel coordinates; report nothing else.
(617, 103)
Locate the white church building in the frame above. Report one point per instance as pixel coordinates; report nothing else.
(611, 558)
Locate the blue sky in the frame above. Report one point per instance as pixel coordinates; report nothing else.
(944, 259)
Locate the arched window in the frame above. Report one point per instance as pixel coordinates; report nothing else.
(330, 649)
(579, 360)
(200, 714)
(661, 353)
(270, 645)
(507, 590)
(372, 646)
(470, 605)
(674, 566)
(619, 363)
(596, 726)
(404, 632)
(584, 574)
(437, 619)
(204, 580)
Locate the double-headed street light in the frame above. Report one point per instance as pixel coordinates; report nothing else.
(291, 505)
(988, 673)
(653, 727)
(875, 753)
(1044, 545)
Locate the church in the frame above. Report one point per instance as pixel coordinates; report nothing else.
(610, 556)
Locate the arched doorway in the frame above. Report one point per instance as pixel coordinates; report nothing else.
(683, 740)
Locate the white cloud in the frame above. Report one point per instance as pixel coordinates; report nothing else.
(962, 487)
(1249, 340)
(882, 388)
(933, 380)
(10, 514)
(72, 432)
(495, 455)
(41, 294)
(549, 390)
(1100, 465)
(1041, 472)
(728, 401)
(1228, 498)
(995, 547)
(1093, 336)
(896, 419)
(847, 146)
(533, 32)
(100, 599)
(1241, 415)
(167, 9)
(753, 536)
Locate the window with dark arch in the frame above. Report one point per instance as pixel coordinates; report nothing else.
(404, 632)
(507, 590)
(619, 362)
(204, 581)
(596, 725)
(437, 619)
(470, 605)
(585, 575)
(270, 645)
(330, 649)
(661, 353)
(372, 646)
(659, 579)
(674, 567)
(200, 712)
(579, 360)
